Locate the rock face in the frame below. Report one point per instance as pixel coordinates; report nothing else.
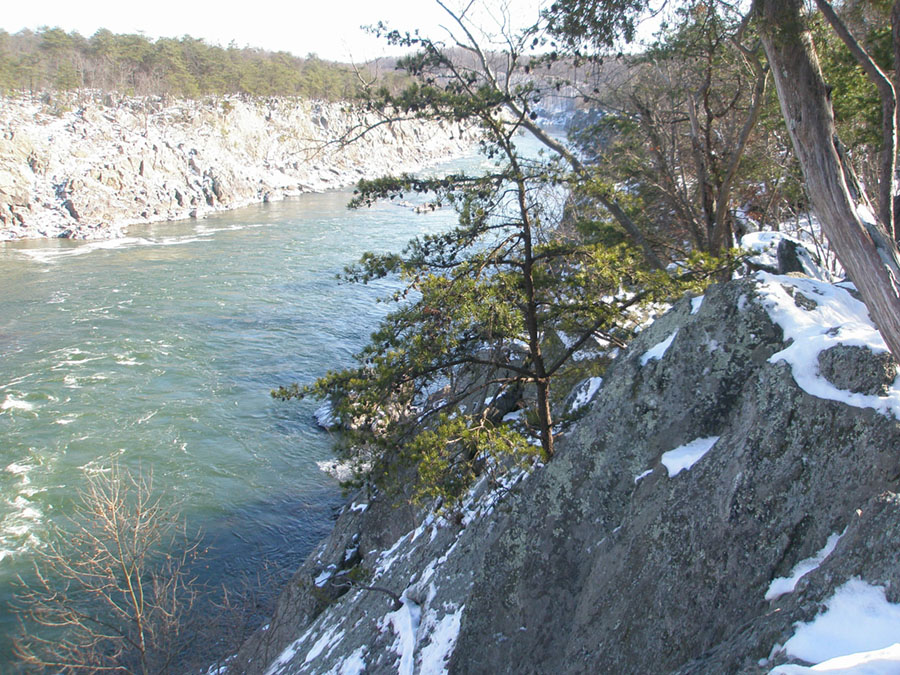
(713, 460)
(83, 168)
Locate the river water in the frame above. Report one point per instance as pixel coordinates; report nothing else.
(159, 351)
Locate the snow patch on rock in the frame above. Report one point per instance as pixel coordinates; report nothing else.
(782, 585)
(816, 316)
(657, 351)
(685, 456)
(859, 632)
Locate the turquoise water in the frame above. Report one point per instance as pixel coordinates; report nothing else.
(159, 351)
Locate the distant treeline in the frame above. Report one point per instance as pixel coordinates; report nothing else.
(188, 67)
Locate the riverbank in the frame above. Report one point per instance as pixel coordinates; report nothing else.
(158, 351)
(85, 167)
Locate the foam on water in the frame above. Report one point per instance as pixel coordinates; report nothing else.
(207, 229)
(124, 360)
(23, 516)
(16, 404)
(71, 382)
(16, 380)
(53, 255)
(20, 469)
(146, 418)
(202, 233)
(76, 362)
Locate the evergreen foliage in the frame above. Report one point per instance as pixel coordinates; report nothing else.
(186, 67)
(857, 107)
(478, 327)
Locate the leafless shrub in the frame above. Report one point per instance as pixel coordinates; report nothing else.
(110, 591)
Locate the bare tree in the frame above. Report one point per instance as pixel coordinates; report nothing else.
(110, 592)
(677, 123)
(864, 245)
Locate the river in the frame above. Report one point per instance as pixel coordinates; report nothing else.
(159, 351)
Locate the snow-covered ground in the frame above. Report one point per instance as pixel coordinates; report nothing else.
(420, 632)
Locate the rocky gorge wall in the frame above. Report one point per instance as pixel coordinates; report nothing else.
(729, 498)
(84, 167)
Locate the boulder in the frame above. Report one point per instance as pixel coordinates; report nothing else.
(858, 369)
(708, 466)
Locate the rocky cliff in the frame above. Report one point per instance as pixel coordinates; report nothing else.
(727, 504)
(84, 167)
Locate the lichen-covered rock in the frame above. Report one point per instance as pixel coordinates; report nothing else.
(86, 168)
(858, 369)
(713, 460)
(16, 166)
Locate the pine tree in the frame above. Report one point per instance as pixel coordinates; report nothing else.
(472, 335)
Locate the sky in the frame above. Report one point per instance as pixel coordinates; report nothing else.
(328, 28)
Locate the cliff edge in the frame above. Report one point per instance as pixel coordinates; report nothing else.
(728, 504)
(84, 167)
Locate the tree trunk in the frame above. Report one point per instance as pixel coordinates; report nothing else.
(888, 111)
(895, 40)
(868, 255)
(530, 311)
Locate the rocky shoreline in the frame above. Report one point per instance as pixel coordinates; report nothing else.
(85, 166)
(726, 502)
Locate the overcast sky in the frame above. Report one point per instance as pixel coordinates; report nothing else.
(329, 28)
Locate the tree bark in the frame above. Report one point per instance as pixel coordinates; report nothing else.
(723, 196)
(895, 40)
(867, 253)
(888, 97)
(530, 311)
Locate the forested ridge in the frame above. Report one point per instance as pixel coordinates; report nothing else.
(51, 58)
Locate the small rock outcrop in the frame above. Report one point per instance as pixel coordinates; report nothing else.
(725, 486)
(80, 167)
(858, 369)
